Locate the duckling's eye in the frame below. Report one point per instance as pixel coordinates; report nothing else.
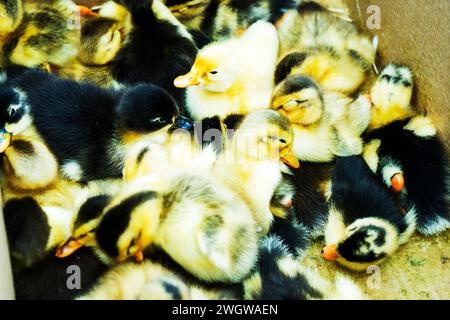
(282, 141)
(214, 72)
(12, 112)
(352, 229)
(159, 120)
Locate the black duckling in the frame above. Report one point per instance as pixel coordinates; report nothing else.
(87, 128)
(157, 49)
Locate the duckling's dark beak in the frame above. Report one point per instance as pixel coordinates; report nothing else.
(67, 248)
(182, 123)
(397, 182)
(291, 160)
(5, 140)
(187, 80)
(330, 252)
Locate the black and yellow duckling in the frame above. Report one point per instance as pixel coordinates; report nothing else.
(326, 124)
(303, 193)
(156, 49)
(262, 140)
(232, 76)
(94, 199)
(39, 213)
(87, 128)
(149, 281)
(203, 225)
(225, 19)
(279, 276)
(40, 32)
(316, 43)
(365, 223)
(403, 148)
(101, 40)
(11, 13)
(32, 232)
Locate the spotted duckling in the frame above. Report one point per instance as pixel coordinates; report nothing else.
(47, 33)
(317, 43)
(181, 206)
(365, 224)
(403, 148)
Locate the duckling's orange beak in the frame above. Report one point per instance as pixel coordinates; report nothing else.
(290, 159)
(187, 80)
(86, 12)
(397, 182)
(139, 256)
(330, 252)
(67, 248)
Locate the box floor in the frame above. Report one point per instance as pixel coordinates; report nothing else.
(420, 269)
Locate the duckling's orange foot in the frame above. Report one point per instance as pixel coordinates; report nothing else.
(397, 182)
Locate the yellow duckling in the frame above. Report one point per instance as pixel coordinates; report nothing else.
(232, 76)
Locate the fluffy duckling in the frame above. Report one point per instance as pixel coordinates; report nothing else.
(101, 40)
(325, 124)
(263, 138)
(365, 223)
(391, 96)
(316, 43)
(46, 33)
(404, 150)
(232, 76)
(27, 163)
(39, 212)
(303, 192)
(11, 13)
(94, 199)
(87, 128)
(156, 49)
(213, 223)
(224, 19)
(279, 276)
(48, 278)
(149, 281)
